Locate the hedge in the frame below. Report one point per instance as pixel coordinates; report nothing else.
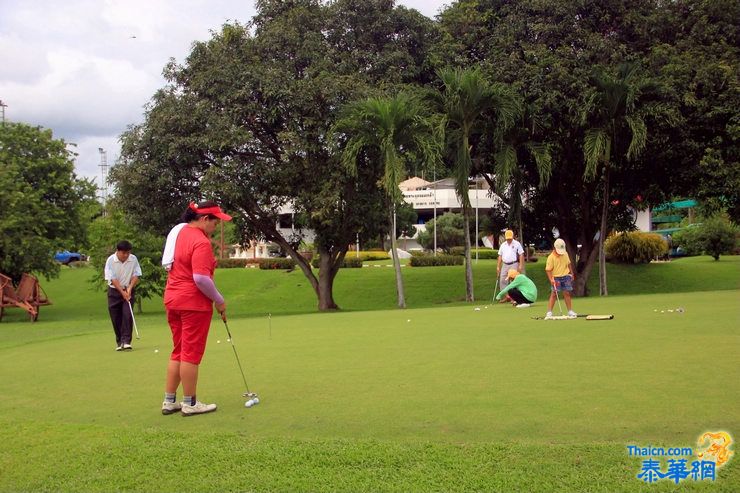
(277, 263)
(348, 262)
(432, 261)
(483, 253)
(231, 263)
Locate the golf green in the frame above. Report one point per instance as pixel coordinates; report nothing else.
(455, 382)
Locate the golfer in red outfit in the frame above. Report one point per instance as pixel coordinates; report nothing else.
(189, 298)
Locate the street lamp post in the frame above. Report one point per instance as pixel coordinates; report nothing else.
(2, 109)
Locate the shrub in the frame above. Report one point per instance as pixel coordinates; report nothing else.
(635, 247)
(432, 261)
(277, 263)
(231, 263)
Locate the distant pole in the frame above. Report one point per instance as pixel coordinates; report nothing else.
(222, 240)
(104, 177)
(2, 109)
(476, 219)
(434, 178)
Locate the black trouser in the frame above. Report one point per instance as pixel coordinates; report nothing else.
(120, 315)
(517, 296)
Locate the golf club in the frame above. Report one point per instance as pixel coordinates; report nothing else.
(495, 288)
(560, 307)
(253, 399)
(133, 320)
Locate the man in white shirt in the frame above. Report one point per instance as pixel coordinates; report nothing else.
(510, 256)
(122, 272)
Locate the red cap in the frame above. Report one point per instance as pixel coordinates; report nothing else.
(213, 211)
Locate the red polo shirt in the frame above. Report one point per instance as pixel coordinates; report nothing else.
(193, 255)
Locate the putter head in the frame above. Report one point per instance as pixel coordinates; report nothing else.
(250, 394)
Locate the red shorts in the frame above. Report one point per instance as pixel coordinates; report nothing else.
(189, 334)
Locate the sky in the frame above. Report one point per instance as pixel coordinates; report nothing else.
(87, 68)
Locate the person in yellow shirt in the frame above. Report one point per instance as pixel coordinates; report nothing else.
(559, 271)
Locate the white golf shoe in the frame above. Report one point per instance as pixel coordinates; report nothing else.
(548, 315)
(170, 407)
(572, 314)
(197, 408)
(524, 305)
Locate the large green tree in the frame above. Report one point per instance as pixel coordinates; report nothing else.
(547, 51)
(246, 119)
(44, 205)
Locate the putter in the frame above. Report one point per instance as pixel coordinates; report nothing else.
(560, 307)
(495, 288)
(253, 398)
(133, 320)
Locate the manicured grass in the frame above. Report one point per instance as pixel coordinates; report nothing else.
(441, 398)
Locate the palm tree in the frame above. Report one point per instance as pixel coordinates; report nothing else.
(467, 102)
(514, 149)
(394, 130)
(612, 111)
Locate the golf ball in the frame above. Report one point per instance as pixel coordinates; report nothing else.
(249, 403)
(156, 350)
(218, 342)
(256, 400)
(477, 309)
(409, 320)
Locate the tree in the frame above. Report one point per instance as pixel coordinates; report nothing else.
(43, 203)
(104, 234)
(546, 51)
(391, 131)
(617, 134)
(467, 100)
(716, 236)
(246, 119)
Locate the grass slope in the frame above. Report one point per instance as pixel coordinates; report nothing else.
(443, 398)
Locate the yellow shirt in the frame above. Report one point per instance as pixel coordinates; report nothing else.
(558, 264)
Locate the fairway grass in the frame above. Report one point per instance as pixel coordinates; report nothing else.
(445, 398)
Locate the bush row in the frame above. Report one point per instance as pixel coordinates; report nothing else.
(432, 261)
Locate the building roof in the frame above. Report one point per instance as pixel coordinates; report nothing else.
(413, 183)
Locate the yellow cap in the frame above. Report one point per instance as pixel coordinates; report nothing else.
(509, 234)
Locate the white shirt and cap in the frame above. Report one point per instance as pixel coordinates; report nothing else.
(509, 253)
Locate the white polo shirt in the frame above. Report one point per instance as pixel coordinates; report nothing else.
(121, 271)
(509, 254)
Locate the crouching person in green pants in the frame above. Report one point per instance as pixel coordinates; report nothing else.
(521, 289)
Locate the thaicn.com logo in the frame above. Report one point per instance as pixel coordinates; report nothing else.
(684, 463)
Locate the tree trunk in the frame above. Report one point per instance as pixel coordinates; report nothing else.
(328, 269)
(469, 295)
(397, 262)
(582, 274)
(603, 290)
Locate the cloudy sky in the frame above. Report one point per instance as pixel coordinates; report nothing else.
(86, 68)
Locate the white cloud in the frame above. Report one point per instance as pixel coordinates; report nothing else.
(86, 68)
